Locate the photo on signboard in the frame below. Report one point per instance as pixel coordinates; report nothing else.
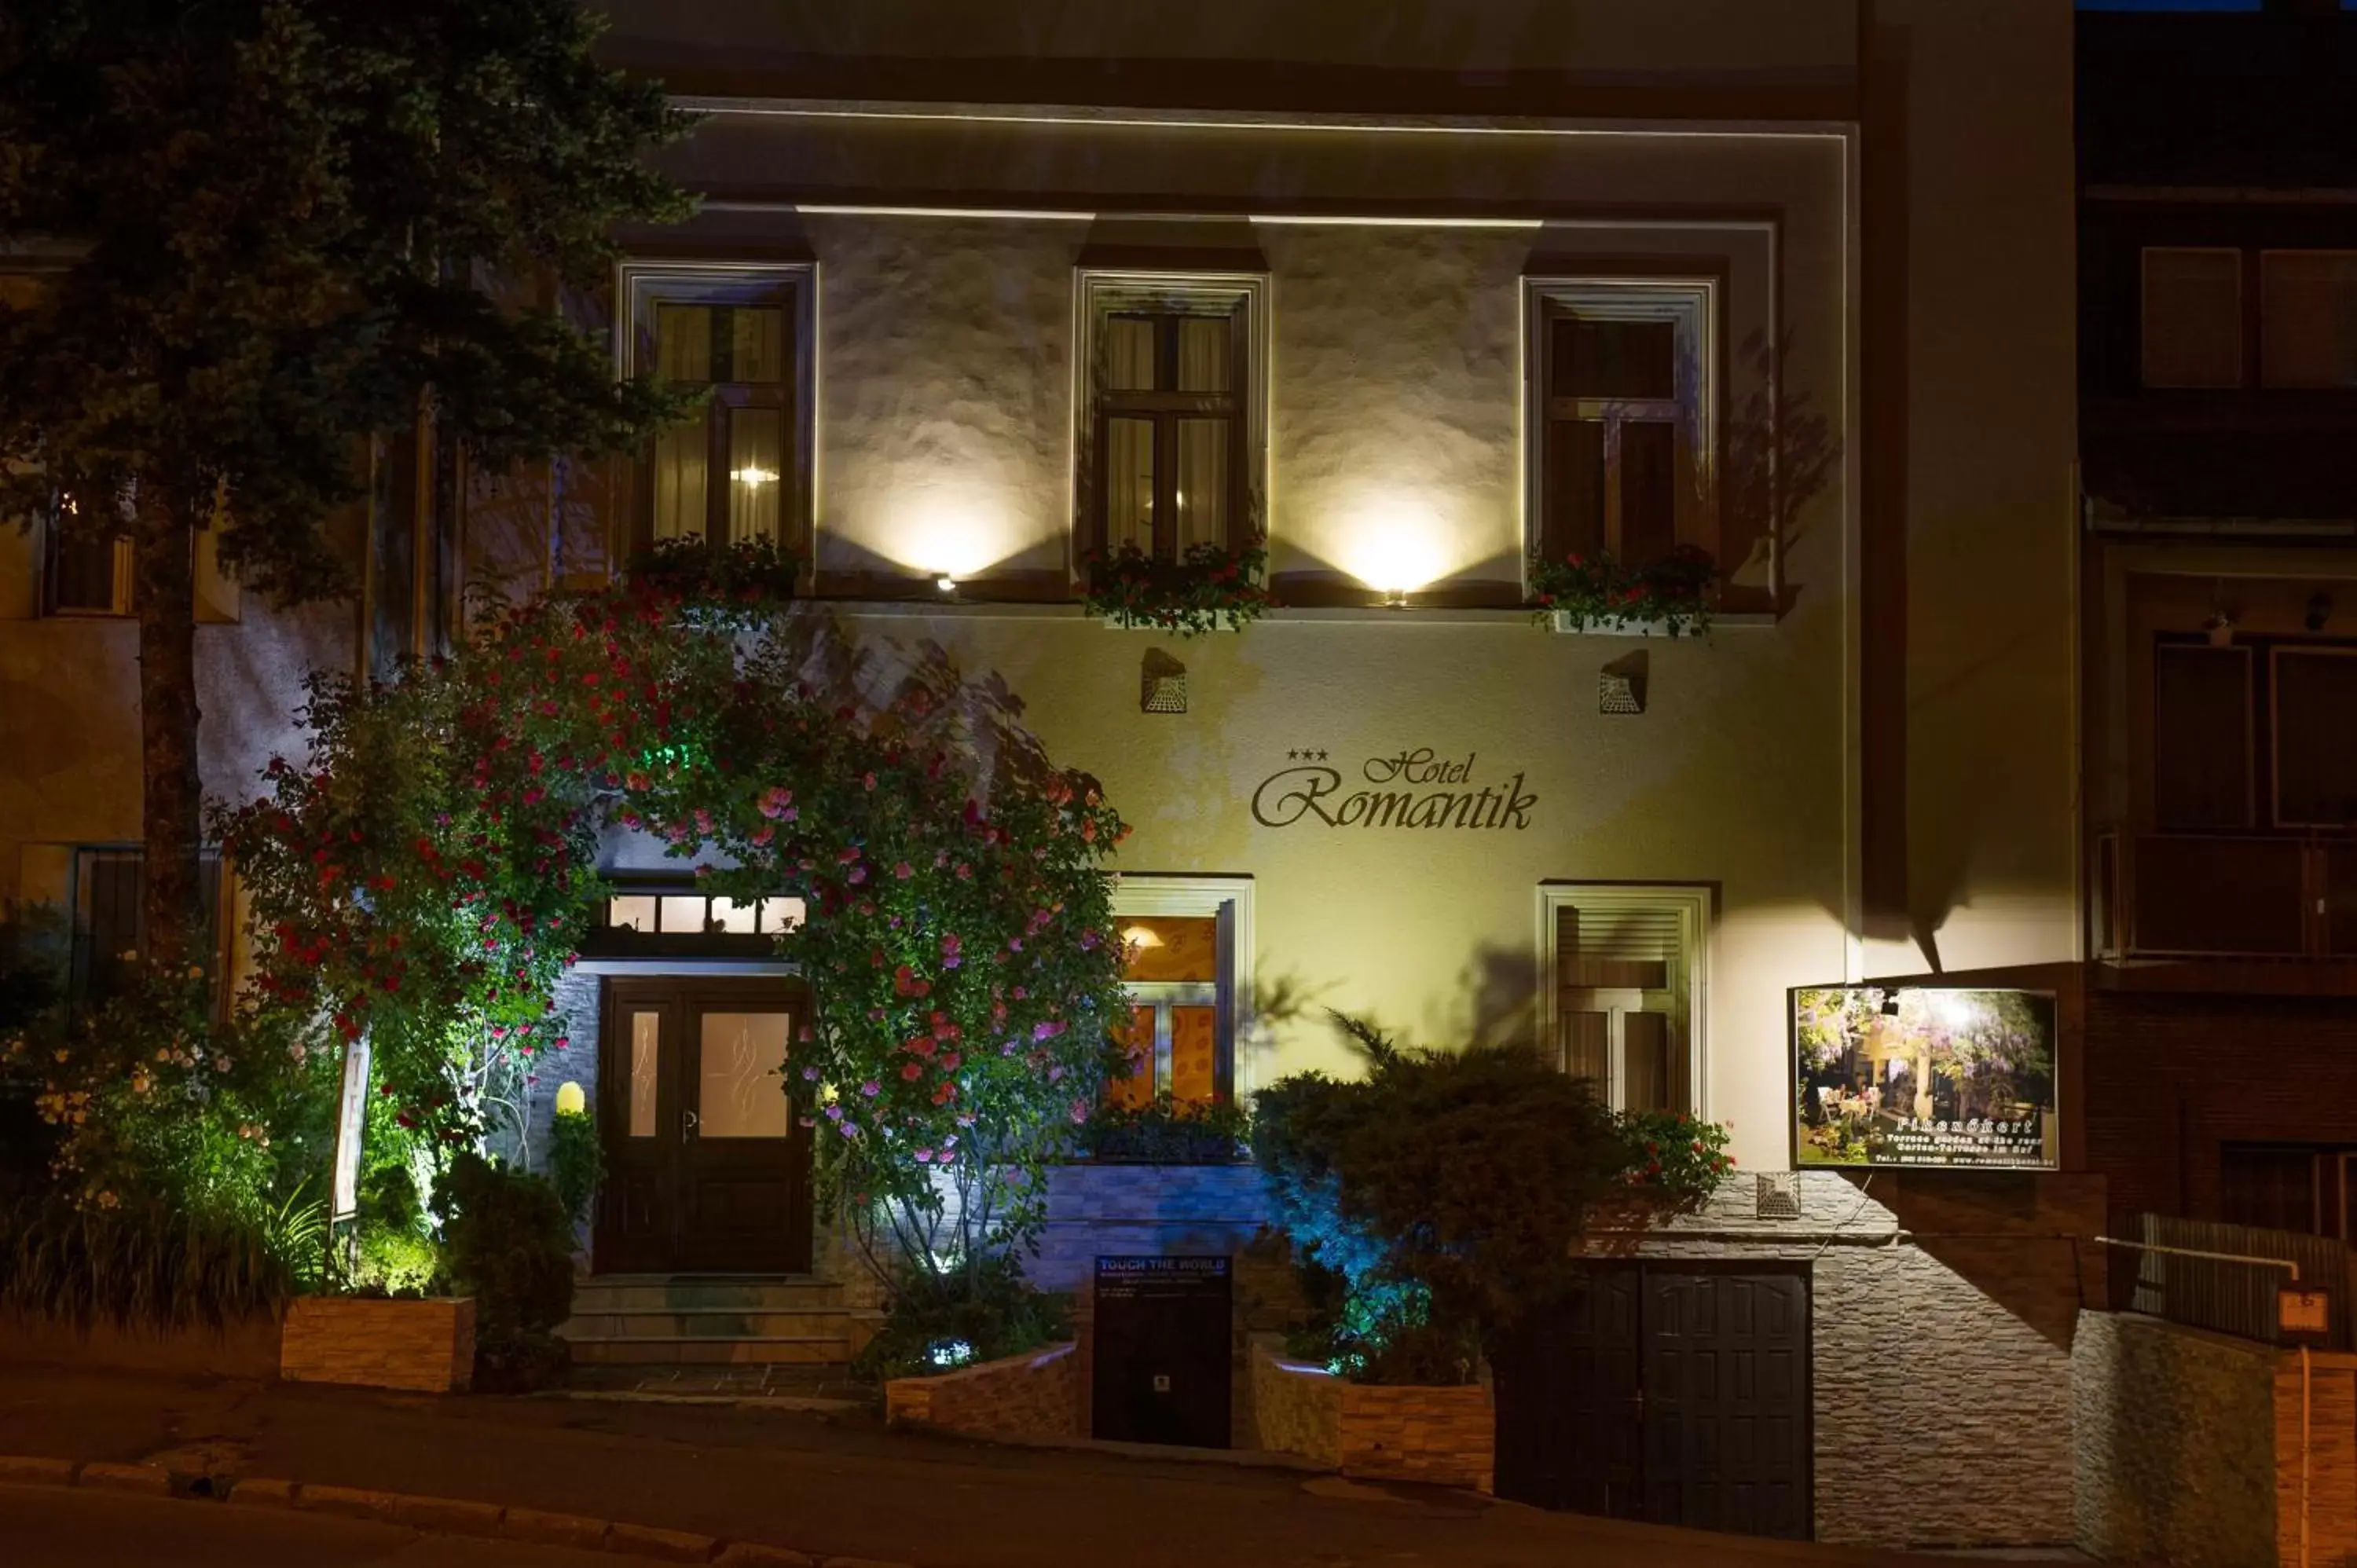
(1932, 1077)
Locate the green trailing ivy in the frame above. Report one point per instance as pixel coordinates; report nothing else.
(576, 1161)
(1208, 588)
(1598, 591)
(425, 874)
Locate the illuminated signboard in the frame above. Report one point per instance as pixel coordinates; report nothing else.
(1933, 1077)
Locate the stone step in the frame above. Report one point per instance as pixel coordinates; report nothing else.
(661, 1292)
(706, 1323)
(662, 1350)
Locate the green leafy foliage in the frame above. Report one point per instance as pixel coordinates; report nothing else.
(273, 231)
(935, 1322)
(576, 1161)
(1598, 591)
(1445, 1189)
(425, 874)
(754, 572)
(1208, 588)
(151, 1264)
(507, 1243)
(1165, 1131)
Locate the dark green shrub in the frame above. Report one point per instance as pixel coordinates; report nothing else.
(576, 1161)
(1165, 1133)
(149, 1265)
(1447, 1189)
(935, 1322)
(506, 1243)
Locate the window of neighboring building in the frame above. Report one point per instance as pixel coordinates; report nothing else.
(1622, 987)
(1620, 418)
(2308, 309)
(2192, 315)
(2201, 751)
(2304, 1187)
(109, 926)
(85, 574)
(1172, 406)
(2315, 693)
(739, 470)
(1181, 939)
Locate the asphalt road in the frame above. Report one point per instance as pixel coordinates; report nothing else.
(44, 1527)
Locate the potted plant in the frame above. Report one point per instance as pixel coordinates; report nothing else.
(1209, 588)
(1599, 594)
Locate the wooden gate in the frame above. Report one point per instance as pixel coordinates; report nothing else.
(1674, 1392)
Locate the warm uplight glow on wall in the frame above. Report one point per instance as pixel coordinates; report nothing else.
(1397, 547)
(951, 532)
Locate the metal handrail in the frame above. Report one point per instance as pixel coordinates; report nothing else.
(2196, 1252)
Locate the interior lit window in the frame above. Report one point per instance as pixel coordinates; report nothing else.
(736, 469)
(631, 912)
(1173, 411)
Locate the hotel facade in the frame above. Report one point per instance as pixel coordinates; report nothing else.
(1413, 299)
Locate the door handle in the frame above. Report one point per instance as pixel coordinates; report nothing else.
(687, 1125)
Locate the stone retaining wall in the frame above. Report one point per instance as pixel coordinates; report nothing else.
(244, 1347)
(1036, 1394)
(2175, 1440)
(1444, 1436)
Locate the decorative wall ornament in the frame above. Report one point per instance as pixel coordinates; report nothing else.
(1776, 1195)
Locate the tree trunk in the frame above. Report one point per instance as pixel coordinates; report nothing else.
(164, 593)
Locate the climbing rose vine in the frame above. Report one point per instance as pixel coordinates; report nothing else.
(426, 876)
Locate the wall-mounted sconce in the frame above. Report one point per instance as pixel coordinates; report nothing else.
(1620, 686)
(2319, 610)
(2219, 629)
(1162, 687)
(947, 585)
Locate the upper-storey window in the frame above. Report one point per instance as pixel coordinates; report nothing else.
(2192, 318)
(1620, 418)
(1172, 406)
(739, 470)
(85, 574)
(2200, 320)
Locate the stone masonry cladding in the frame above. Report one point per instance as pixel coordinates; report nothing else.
(1941, 1399)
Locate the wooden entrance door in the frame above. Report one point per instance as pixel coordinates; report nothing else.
(1677, 1393)
(706, 1170)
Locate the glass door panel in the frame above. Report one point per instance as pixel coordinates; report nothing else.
(740, 1082)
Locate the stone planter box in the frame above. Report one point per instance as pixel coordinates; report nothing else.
(426, 1344)
(1444, 1436)
(1036, 1394)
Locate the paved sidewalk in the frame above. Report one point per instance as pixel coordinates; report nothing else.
(823, 1483)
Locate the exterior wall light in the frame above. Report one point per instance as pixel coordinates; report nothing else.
(947, 584)
(571, 1101)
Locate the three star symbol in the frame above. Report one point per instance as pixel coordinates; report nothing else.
(1306, 754)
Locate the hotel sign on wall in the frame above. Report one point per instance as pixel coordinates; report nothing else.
(1415, 788)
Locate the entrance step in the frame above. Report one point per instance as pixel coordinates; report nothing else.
(740, 1319)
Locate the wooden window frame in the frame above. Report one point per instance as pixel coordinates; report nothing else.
(1691, 306)
(119, 604)
(1100, 296)
(2242, 322)
(1228, 899)
(639, 287)
(2275, 652)
(1691, 905)
(2256, 315)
